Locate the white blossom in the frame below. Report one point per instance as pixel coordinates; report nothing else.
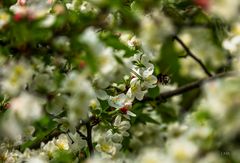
(135, 90)
(121, 125)
(119, 101)
(15, 77)
(224, 8)
(26, 107)
(62, 142)
(182, 149)
(106, 145)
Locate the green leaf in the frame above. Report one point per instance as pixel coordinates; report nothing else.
(91, 59)
(62, 156)
(219, 31)
(104, 104)
(174, 14)
(153, 92)
(168, 114)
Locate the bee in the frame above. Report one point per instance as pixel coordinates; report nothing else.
(163, 79)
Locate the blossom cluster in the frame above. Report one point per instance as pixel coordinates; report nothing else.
(80, 81)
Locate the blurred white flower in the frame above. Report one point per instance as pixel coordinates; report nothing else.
(49, 148)
(77, 83)
(214, 96)
(150, 155)
(211, 158)
(12, 128)
(15, 76)
(26, 107)
(101, 94)
(224, 8)
(90, 37)
(182, 150)
(81, 92)
(107, 62)
(155, 27)
(36, 159)
(233, 44)
(130, 40)
(176, 129)
(34, 8)
(48, 21)
(62, 142)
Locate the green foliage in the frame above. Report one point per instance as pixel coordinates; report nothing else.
(82, 77)
(62, 156)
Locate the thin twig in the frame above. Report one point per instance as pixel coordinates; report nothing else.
(197, 84)
(84, 137)
(189, 53)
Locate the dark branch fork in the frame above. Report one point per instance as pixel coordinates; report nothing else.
(189, 53)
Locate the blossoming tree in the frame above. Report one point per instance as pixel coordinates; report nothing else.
(119, 81)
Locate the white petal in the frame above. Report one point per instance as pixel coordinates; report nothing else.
(131, 113)
(139, 96)
(148, 72)
(101, 94)
(117, 121)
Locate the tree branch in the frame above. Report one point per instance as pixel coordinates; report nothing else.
(189, 53)
(89, 138)
(162, 97)
(197, 84)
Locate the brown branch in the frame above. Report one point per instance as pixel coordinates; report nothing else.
(189, 53)
(194, 85)
(89, 138)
